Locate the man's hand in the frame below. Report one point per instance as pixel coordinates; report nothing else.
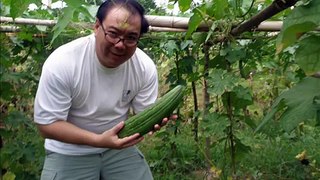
(110, 138)
(157, 127)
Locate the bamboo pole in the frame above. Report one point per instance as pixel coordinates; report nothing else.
(166, 29)
(157, 23)
(168, 21)
(270, 26)
(27, 21)
(9, 29)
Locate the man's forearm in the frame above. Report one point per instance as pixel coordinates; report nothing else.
(66, 132)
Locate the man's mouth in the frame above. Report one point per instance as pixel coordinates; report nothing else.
(118, 53)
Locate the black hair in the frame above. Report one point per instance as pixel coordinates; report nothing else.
(131, 5)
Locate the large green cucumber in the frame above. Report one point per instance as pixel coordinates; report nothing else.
(144, 121)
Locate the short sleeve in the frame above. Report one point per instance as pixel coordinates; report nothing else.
(149, 91)
(53, 98)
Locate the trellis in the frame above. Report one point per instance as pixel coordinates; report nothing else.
(157, 24)
(179, 24)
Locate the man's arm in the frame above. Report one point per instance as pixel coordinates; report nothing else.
(69, 133)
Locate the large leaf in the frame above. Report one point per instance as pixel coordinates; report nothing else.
(308, 54)
(221, 81)
(233, 52)
(214, 124)
(194, 21)
(17, 7)
(241, 97)
(170, 47)
(63, 21)
(298, 104)
(220, 8)
(67, 15)
(241, 149)
(302, 19)
(186, 65)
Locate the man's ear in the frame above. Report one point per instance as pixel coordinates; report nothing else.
(96, 26)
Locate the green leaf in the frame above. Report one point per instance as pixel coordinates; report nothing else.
(218, 62)
(241, 149)
(184, 5)
(17, 7)
(85, 12)
(63, 22)
(186, 44)
(194, 22)
(41, 28)
(15, 119)
(67, 15)
(211, 30)
(250, 122)
(233, 52)
(214, 124)
(301, 20)
(9, 176)
(198, 38)
(277, 106)
(298, 104)
(186, 65)
(210, 8)
(170, 47)
(220, 8)
(6, 90)
(74, 4)
(241, 97)
(92, 10)
(308, 55)
(221, 81)
(170, 6)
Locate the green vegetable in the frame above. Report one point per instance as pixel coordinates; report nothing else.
(144, 121)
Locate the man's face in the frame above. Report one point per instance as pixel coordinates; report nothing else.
(118, 22)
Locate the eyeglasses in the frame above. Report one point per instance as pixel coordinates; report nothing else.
(114, 38)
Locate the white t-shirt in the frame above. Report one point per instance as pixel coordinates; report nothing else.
(75, 87)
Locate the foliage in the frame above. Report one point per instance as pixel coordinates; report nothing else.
(22, 151)
(172, 153)
(252, 104)
(300, 103)
(22, 154)
(303, 18)
(307, 54)
(271, 158)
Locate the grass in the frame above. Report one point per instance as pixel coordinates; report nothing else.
(180, 157)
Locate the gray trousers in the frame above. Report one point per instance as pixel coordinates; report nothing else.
(112, 164)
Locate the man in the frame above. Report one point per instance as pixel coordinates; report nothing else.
(85, 92)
